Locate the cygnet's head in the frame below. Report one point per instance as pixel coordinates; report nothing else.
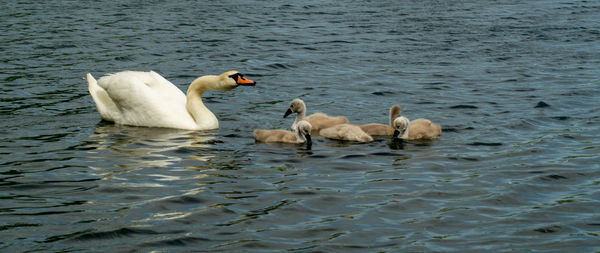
(400, 125)
(296, 106)
(232, 79)
(302, 131)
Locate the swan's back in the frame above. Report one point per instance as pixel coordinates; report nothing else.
(320, 120)
(117, 83)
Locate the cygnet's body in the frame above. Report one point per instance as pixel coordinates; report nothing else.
(347, 132)
(317, 120)
(321, 120)
(376, 129)
(423, 129)
(416, 129)
(301, 134)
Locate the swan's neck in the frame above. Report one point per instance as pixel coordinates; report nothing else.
(204, 83)
(203, 117)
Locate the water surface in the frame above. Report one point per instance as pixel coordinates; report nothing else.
(514, 85)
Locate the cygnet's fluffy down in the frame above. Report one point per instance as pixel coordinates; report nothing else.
(423, 129)
(347, 132)
(317, 120)
(416, 129)
(301, 134)
(376, 129)
(321, 120)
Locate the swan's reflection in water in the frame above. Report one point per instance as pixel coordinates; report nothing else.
(136, 147)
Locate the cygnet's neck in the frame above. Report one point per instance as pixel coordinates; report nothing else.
(299, 136)
(395, 111)
(405, 135)
(299, 116)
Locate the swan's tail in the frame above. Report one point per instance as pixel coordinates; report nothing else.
(92, 83)
(104, 104)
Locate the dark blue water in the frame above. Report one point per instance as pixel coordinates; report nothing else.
(515, 86)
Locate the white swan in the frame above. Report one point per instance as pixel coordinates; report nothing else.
(147, 99)
(376, 129)
(317, 120)
(301, 134)
(416, 129)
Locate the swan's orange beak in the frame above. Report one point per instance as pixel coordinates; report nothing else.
(241, 80)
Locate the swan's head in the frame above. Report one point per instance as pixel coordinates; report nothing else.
(302, 132)
(232, 79)
(400, 125)
(296, 106)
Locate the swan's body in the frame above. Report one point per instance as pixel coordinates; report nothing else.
(347, 132)
(416, 129)
(376, 129)
(321, 120)
(301, 134)
(147, 99)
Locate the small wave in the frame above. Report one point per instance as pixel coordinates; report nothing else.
(384, 154)
(18, 225)
(115, 234)
(279, 66)
(124, 58)
(382, 93)
(541, 104)
(186, 200)
(561, 118)
(550, 229)
(183, 241)
(464, 107)
(477, 143)
(352, 156)
(554, 177)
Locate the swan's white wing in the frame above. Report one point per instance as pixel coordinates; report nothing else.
(165, 88)
(147, 99)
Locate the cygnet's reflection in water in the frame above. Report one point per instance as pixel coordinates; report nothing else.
(143, 147)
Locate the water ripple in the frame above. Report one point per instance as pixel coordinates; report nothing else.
(514, 86)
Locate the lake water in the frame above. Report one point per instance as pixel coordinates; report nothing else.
(514, 84)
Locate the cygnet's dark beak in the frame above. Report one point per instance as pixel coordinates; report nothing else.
(288, 112)
(396, 133)
(308, 141)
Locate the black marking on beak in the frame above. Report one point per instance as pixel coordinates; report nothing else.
(241, 80)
